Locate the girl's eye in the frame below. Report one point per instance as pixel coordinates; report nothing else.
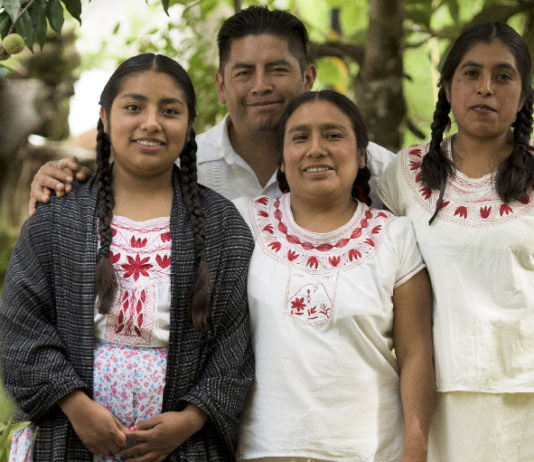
(504, 76)
(132, 107)
(171, 111)
(470, 73)
(299, 137)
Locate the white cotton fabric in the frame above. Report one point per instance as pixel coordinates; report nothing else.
(226, 172)
(327, 384)
(480, 257)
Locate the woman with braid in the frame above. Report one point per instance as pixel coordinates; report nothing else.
(470, 198)
(124, 320)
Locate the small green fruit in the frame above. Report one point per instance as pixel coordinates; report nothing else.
(13, 44)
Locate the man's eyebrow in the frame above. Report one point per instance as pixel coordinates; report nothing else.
(245, 65)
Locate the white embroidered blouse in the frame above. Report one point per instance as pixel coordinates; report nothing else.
(327, 384)
(479, 253)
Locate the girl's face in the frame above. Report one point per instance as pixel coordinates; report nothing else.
(321, 157)
(485, 91)
(148, 124)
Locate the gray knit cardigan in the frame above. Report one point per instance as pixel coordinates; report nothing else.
(47, 332)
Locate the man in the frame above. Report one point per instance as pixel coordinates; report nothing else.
(263, 64)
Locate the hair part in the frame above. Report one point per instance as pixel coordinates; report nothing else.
(106, 281)
(257, 20)
(515, 175)
(360, 187)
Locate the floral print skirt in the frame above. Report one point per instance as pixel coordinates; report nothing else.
(128, 381)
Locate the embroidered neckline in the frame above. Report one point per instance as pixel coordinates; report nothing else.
(467, 201)
(344, 247)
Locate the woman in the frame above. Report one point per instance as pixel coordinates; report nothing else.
(470, 199)
(333, 286)
(124, 320)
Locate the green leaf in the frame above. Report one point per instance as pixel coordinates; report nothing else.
(5, 433)
(38, 14)
(5, 23)
(165, 4)
(13, 8)
(54, 14)
(24, 27)
(74, 7)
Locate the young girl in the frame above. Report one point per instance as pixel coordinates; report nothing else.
(123, 321)
(470, 198)
(333, 286)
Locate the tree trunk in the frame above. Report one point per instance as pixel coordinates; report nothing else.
(379, 92)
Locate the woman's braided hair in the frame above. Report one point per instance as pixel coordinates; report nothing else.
(515, 175)
(360, 187)
(106, 282)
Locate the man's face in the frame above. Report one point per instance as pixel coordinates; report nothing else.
(259, 79)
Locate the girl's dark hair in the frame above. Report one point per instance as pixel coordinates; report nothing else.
(360, 187)
(106, 282)
(515, 175)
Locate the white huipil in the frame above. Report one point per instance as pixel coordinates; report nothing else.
(327, 383)
(479, 253)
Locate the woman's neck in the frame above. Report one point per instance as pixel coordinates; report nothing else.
(476, 158)
(322, 217)
(142, 199)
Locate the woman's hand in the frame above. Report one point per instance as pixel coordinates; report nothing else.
(100, 431)
(56, 175)
(157, 437)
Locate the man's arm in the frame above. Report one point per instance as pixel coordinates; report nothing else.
(56, 175)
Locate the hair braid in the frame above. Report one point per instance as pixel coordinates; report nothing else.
(360, 188)
(516, 173)
(105, 277)
(200, 296)
(435, 164)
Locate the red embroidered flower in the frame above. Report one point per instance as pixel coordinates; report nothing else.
(426, 192)
(342, 243)
(381, 215)
(113, 231)
(334, 261)
(525, 200)
(354, 254)
(461, 211)
(444, 204)
(138, 243)
(419, 177)
(356, 233)
(293, 239)
(312, 262)
(292, 255)
(324, 247)
(485, 211)
(163, 262)
(370, 242)
(282, 227)
(415, 152)
(269, 229)
(136, 266)
(262, 200)
(114, 258)
(505, 209)
(165, 237)
(298, 305)
(276, 246)
(376, 229)
(263, 213)
(415, 164)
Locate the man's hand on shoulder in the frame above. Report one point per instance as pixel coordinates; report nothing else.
(56, 175)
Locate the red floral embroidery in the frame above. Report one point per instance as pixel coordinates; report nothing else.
(165, 237)
(485, 211)
(416, 152)
(334, 261)
(415, 164)
(525, 200)
(114, 257)
(354, 254)
(461, 211)
(136, 266)
(505, 209)
(376, 229)
(276, 246)
(312, 262)
(262, 213)
(297, 306)
(164, 261)
(138, 243)
(370, 242)
(269, 229)
(262, 200)
(426, 192)
(291, 255)
(130, 319)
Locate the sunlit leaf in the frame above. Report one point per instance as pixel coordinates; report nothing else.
(13, 8)
(54, 14)
(74, 7)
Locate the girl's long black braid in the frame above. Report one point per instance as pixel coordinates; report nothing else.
(200, 296)
(106, 282)
(515, 176)
(436, 167)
